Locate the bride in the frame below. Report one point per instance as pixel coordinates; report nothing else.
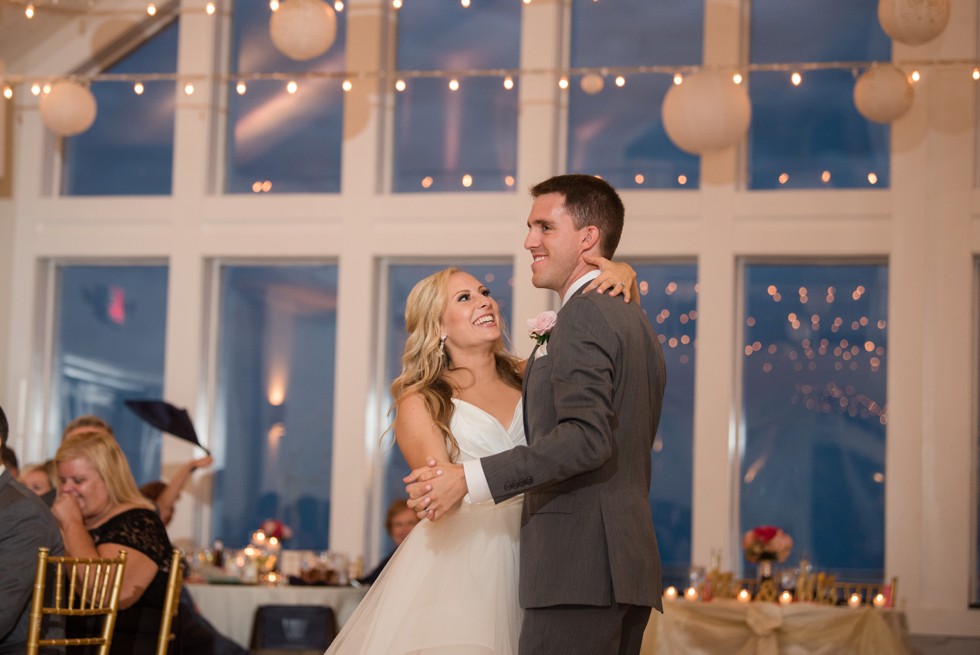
(451, 587)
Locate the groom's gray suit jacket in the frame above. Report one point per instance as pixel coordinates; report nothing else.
(592, 406)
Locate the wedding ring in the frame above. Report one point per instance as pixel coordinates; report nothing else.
(620, 284)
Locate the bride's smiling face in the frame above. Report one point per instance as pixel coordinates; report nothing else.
(471, 316)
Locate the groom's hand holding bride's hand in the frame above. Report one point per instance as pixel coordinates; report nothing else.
(435, 488)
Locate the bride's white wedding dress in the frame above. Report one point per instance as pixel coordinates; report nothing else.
(451, 587)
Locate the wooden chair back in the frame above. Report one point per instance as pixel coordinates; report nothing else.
(82, 586)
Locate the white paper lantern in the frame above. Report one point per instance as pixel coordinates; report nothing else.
(592, 83)
(68, 109)
(303, 29)
(706, 112)
(913, 21)
(883, 94)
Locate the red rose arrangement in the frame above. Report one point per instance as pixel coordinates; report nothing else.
(767, 542)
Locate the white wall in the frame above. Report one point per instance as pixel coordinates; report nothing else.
(927, 226)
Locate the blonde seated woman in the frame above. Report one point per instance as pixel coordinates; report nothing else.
(101, 511)
(451, 587)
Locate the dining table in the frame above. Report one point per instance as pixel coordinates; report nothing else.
(231, 607)
(762, 628)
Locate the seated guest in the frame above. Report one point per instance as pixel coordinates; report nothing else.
(42, 479)
(25, 525)
(398, 522)
(165, 495)
(101, 512)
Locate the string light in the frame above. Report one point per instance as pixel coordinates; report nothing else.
(915, 76)
(8, 92)
(453, 84)
(347, 86)
(426, 182)
(620, 81)
(138, 88)
(737, 78)
(976, 73)
(467, 181)
(400, 86)
(274, 5)
(783, 179)
(796, 78)
(241, 88)
(397, 4)
(36, 89)
(872, 178)
(151, 9)
(209, 8)
(338, 6)
(465, 3)
(29, 11)
(46, 89)
(188, 89)
(563, 83)
(825, 177)
(678, 79)
(508, 82)
(291, 87)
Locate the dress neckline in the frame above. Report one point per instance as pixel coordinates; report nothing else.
(517, 410)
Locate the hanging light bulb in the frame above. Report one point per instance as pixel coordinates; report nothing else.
(397, 4)
(508, 82)
(454, 84)
(46, 89)
(36, 89)
(915, 77)
(347, 86)
(188, 89)
(796, 78)
(151, 9)
(29, 11)
(338, 6)
(620, 81)
(292, 87)
(241, 88)
(678, 78)
(209, 8)
(138, 88)
(737, 78)
(8, 92)
(563, 83)
(274, 5)
(400, 85)
(976, 73)
(465, 3)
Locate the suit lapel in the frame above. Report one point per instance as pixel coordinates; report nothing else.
(527, 374)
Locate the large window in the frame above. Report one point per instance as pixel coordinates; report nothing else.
(615, 130)
(669, 296)
(129, 150)
(401, 279)
(811, 135)
(109, 334)
(282, 138)
(463, 139)
(812, 439)
(273, 425)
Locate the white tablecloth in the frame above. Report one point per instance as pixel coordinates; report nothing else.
(230, 608)
(733, 628)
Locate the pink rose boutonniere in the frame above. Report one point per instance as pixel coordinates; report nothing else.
(541, 326)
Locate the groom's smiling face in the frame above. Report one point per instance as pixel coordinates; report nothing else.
(555, 244)
(471, 316)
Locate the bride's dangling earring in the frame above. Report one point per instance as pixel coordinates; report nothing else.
(442, 345)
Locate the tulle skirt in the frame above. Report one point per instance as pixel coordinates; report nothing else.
(450, 588)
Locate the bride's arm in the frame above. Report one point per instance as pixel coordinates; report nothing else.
(614, 278)
(416, 432)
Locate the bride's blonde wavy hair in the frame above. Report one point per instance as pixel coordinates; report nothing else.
(425, 363)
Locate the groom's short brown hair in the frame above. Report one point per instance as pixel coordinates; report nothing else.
(589, 200)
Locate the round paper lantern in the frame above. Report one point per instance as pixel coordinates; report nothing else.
(68, 109)
(883, 94)
(706, 112)
(303, 29)
(592, 83)
(913, 21)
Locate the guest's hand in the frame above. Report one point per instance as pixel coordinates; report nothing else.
(66, 511)
(435, 489)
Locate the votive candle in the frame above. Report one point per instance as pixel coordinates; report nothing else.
(691, 593)
(670, 593)
(744, 596)
(785, 598)
(854, 600)
(879, 600)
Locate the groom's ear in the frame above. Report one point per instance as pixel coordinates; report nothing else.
(590, 237)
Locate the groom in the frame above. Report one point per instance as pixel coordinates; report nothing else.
(590, 567)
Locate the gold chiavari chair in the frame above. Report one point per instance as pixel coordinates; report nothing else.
(171, 602)
(82, 586)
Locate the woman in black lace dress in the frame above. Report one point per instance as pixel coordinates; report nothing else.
(101, 512)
